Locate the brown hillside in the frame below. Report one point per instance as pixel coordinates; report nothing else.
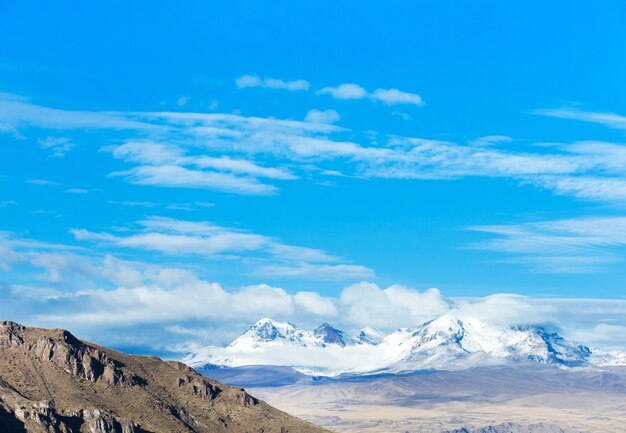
(52, 382)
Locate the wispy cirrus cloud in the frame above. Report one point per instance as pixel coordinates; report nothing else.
(76, 191)
(175, 176)
(188, 238)
(611, 120)
(17, 112)
(576, 245)
(171, 166)
(490, 140)
(593, 188)
(252, 155)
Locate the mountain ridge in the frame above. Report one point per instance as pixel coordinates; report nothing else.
(446, 342)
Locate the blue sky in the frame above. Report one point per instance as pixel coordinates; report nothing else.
(159, 162)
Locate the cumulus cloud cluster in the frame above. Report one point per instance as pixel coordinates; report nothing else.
(344, 91)
(322, 116)
(386, 96)
(270, 83)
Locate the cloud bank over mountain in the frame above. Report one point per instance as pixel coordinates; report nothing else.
(177, 309)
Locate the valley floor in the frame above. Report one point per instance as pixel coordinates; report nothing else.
(587, 401)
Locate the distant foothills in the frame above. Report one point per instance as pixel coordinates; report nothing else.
(445, 343)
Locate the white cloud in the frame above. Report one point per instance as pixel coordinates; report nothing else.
(76, 191)
(506, 309)
(147, 152)
(366, 304)
(182, 101)
(241, 166)
(611, 156)
(270, 300)
(401, 115)
(43, 182)
(175, 176)
(18, 112)
(133, 203)
(345, 91)
(562, 170)
(577, 245)
(606, 335)
(322, 116)
(594, 188)
(611, 120)
(395, 96)
(171, 166)
(274, 259)
(220, 241)
(106, 293)
(59, 146)
(490, 140)
(271, 83)
(8, 256)
(314, 303)
(386, 96)
(250, 155)
(248, 81)
(315, 271)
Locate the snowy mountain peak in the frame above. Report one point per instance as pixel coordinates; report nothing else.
(369, 336)
(444, 326)
(329, 335)
(263, 331)
(269, 330)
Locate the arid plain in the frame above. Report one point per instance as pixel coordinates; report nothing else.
(576, 401)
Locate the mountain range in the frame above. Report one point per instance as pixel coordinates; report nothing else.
(445, 343)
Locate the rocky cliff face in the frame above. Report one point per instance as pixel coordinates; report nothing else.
(62, 349)
(51, 382)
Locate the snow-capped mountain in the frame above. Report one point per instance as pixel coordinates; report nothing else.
(370, 336)
(270, 331)
(447, 342)
(451, 342)
(285, 333)
(326, 334)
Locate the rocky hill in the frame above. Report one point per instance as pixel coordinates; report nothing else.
(54, 383)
